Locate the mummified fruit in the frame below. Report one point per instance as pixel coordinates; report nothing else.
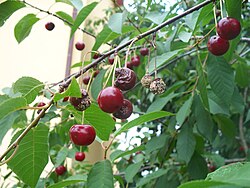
(157, 86)
(81, 103)
(125, 111)
(125, 78)
(146, 80)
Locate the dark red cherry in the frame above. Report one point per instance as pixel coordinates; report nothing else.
(125, 111)
(65, 99)
(96, 56)
(96, 73)
(86, 80)
(144, 51)
(110, 99)
(60, 170)
(81, 103)
(217, 46)
(125, 78)
(79, 156)
(129, 65)
(40, 104)
(80, 46)
(228, 28)
(135, 60)
(119, 2)
(50, 26)
(82, 135)
(111, 60)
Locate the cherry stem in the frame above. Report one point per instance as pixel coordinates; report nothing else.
(115, 65)
(155, 52)
(80, 148)
(221, 8)
(128, 50)
(11, 157)
(215, 18)
(83, 117)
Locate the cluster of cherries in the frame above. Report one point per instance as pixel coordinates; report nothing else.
(227, 28)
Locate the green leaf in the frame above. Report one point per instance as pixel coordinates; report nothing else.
(184, 111)
(6, 123)
(82, 15)
(156, 17)
(29, 88)
(24, 26)
(12, 105)
(151, 177)
(116, 22)
(191, 19)
(242, 74)
(61, 156)
(206, 184)
(119, 153)
(234, 8)
(65, 1)
(32, 155)
(78, 4)
(131, 171)
(160, 60)
(220, 78)
(104, 36)
(102, 122)
(226, 126)
(184, 36)
(96, 85)
(186, 142)
(101, 175)
(237, 174)
(142, 119)
(156, 143)
(65, 16)
(7, 8)
(73, 90)
(217, 106)
(69, 181)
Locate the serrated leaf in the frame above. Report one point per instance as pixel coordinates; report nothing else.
(61, 156)
(156, 143)
(65, 16)
(73, 90)
(221, 78)
(69, 181)
(65, 1)
(151, 177)
(132, 170)
(191, 19)
(242, 74)
(97, 84)
(101, 175)
(101, 121)
(104, 36)
(186, 142)
(7, 8)
(29, 88)
(184, 111)
(12, 105)
(184, 36)
(206, 184)
(216, 105)
(6, 123)
(226, 126)
(82, 15)
(32, 156)
(24, 26)
(142, 119)
(115, 22)
(156, 17)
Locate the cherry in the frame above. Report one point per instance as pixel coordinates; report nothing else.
(212, 168)
(40, 104)
(79, 156)
(144, 51)
(96, 73)
(228, 28)
(96, 56)
(111, 60)
(50, 26)
(125, 78)
(82, 135)
(129, 65)
(65, 99)
(217, 45)
(125, 111)
(119, 2)
(110, 99)
(80, 46)
(60, 170)
(135, 60)
(86, 80)
(81, 103)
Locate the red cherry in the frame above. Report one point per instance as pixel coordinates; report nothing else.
(65, 99)
(40, 104)
(50, 26)
(86, 80)
(110, 99)
(96, 56)
(125, 79)
(129, 65)
(60, 170)
(136, 61)
(82, 135)
(144, 51)
(81, 103)
(111, 60)
(119, 2)
(96, 73)
(217, 46)
(228, 28)
(79, 156)
(212, 168)
(125, 111)
(80, 46)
